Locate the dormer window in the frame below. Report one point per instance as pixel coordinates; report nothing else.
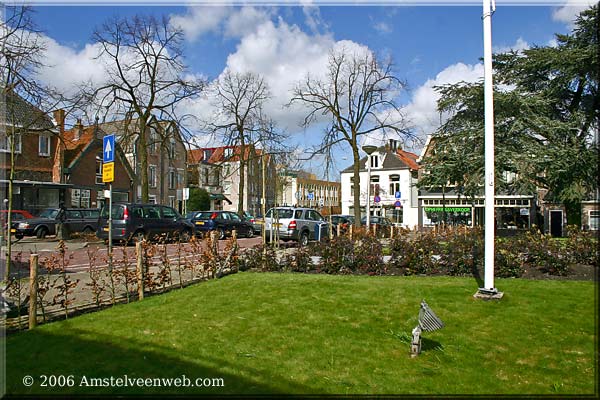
(374, 161)
(228, 152)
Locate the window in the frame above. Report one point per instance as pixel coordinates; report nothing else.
(228, 152)
(235, 217)
(99, 170)
(75, 196)
(169, 212)
(180, 177)
(594, 220)
(172, 179)
(226, 187)
(5, 143)
(394, 184)
(173, 149)
(152, 199)
(152, 175)
(374, 161)
(172, 201)
(85, 198)
(152, 212)
(374, 184)
(153, 142)
(206, 155)
(44, 145)
(205, 173)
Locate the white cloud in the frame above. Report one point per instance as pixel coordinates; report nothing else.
(422, 110)
(200, 20)
(245, 21)
(519, 46)
(283, 54)
(567, 13)
(382, 27)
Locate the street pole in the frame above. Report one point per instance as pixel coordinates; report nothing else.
(263, 205)
(369, 150)
(110, 253)
(488, 289)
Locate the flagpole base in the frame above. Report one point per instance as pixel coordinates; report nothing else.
(488, 294)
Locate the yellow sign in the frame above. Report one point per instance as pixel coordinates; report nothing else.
(108, 172)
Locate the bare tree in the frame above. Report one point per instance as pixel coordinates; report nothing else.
(22, 96)
(144, 78)
(239, 99)
(356, 96)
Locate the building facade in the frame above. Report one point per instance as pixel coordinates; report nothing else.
(303, 189)
(393, 192)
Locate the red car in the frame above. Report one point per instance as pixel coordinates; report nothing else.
(16, 217)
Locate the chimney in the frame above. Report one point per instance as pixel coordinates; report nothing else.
(78, 130)
(393, 145)
(59, 153)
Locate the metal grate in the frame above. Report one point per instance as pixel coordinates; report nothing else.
(428, 321)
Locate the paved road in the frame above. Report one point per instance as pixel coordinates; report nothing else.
(80, 252)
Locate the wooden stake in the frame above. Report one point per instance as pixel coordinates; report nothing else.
(140, 269)
(33, 289)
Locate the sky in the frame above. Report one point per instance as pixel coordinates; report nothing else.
(429, 45)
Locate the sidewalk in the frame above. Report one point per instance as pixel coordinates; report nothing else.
(34, 245)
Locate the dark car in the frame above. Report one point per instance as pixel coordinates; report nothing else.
(76, 220)
(344, 222)
(223, 222)
(17, 216)
(379, 221)
(138, 222)
(256, 222)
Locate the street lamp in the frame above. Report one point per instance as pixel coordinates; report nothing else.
(369, 149)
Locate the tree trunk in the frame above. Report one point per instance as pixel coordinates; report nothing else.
(143, 157)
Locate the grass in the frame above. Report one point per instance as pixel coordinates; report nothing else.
(306, 334)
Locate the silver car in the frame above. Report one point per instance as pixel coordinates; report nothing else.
(296, 223)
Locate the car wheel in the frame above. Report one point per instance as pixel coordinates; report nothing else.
(250, 233)
(186, 235)
(303, 241)
(19, 236)
(41, 233)
(88, 230)
(221, 233)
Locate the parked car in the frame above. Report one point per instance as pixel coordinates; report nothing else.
(376, 220)
(296, 223)
(17, 216)
(256, 222)
(223, 222)
(344, 221)
(76, 220)
(131, 221)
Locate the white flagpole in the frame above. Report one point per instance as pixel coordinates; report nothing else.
(489, 150)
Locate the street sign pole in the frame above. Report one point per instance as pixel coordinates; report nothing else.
(110, 227)
(108, 176)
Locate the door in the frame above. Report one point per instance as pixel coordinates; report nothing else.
(556, 222)
(170, 220)
(152, 222)
(74, 221)
(237, 224)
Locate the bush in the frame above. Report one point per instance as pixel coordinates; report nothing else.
(582, 246)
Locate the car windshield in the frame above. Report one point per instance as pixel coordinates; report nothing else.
(282, 213)
(191, 214)
(49, 213)
(117, 212)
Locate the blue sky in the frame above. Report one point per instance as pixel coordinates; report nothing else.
(430, 45)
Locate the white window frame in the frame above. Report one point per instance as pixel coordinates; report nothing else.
(596, 225)
(152, 199)
(99, 175)
(45, 138)
(172, 177)
(152, 175)
(5, 144)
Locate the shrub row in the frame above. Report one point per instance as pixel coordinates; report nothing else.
(453, 251)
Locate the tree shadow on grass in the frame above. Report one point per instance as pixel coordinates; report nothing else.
(36, 353)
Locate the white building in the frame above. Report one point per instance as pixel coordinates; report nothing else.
(394, 174)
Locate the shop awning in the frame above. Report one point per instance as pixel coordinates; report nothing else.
(218, 196)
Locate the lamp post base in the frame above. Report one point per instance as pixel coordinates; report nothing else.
(488, 294)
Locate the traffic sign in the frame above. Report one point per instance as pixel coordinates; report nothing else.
(321, 202)
(398, 204)
(377, 199)
(108, 172)
(311, 196)
(398, 194)
(108, 149)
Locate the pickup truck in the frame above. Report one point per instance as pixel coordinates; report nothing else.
(77, 220)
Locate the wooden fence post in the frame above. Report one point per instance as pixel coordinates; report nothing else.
(350, 231)
(339, 229)
(139, 266)
(33, 289)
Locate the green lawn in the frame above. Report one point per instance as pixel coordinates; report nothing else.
(294, 333)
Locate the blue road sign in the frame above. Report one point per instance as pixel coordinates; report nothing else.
(398, 195)
(377, 199)
(398, 204)
(108, 149)
(311, 196)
